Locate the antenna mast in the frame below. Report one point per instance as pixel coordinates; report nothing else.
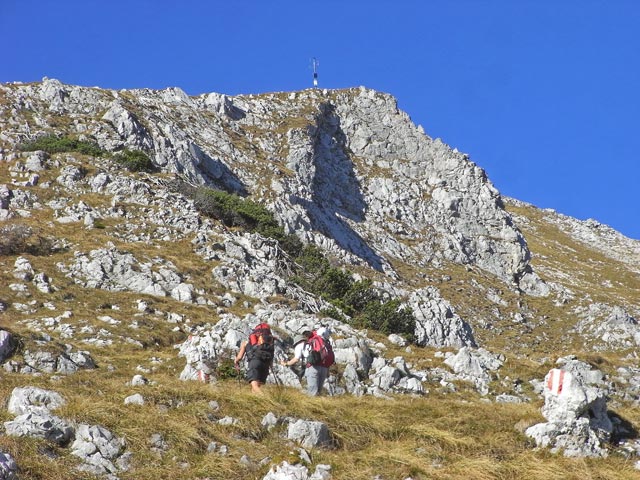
(315, 72)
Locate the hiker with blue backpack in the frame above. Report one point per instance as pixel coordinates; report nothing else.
(259, 350)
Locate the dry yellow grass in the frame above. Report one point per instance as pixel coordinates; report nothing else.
(439, 436)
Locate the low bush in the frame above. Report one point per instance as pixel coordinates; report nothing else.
(135, 161)
(357, 299)
(236, 211)
(388, 317)
(56, 144)
(17, 238)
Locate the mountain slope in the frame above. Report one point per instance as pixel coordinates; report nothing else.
(107, 274)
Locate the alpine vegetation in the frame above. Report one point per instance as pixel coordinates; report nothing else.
(295, 285)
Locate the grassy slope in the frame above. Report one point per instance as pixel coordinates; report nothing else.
(448, 436)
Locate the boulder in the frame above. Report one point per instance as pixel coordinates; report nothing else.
(309, 434)
(576, 411)
(286, 471)
(101, 452)
(41, 424)
(475, 365)
(23, 270)
(7, 345)
(33, 399)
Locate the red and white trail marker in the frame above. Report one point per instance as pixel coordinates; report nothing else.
(558, 381)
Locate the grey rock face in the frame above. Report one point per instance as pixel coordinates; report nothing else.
(69, 176)
(611, 327)
(463, 209)
(130, 130)
(361, 176)
(109, 269)
(36, 162)
(354, 351)
(8, 467)
(437, 324)
(65, 363)
(475, 365)
(7, 345)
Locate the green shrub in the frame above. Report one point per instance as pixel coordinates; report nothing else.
(333, 284)
(334, 313)
(290, 243)
(316, 275)
(388, 317)
(135, 161)
(56, 144)
(235, 211)
(226, 369)
(231, 209)
(312, 260)
(361, 294)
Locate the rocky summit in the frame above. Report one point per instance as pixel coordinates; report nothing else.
(144, 233)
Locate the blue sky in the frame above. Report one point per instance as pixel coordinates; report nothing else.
(542, 94)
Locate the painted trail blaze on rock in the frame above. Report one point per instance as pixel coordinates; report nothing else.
(557, 380)
(203, 376)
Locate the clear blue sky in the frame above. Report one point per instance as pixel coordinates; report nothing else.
(543, 94)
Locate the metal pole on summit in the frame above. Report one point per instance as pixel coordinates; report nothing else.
(315, 72)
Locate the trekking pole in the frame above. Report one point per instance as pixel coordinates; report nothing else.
(278, 382)
(273, 372)
(238, 373)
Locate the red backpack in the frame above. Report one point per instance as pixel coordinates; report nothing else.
(261, 343)
(320, 351)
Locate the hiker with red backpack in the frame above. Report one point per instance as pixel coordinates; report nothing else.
(319, 358)
(259, 350)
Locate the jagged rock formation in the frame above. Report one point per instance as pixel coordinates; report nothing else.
(351, 173)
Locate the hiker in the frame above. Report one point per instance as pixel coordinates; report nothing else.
(319, 358)
(259, 351)
(299, 354)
